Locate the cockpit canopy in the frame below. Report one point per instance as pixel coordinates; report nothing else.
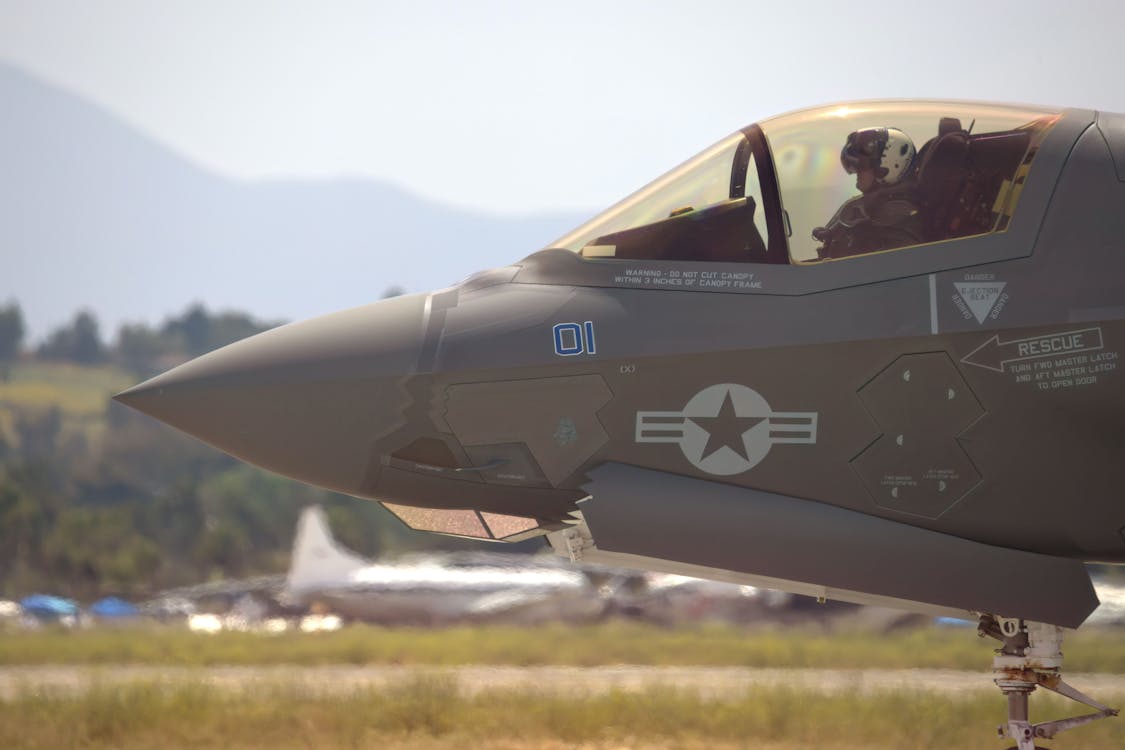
(777, 192)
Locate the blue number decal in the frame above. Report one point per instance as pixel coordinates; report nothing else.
(572, 339)
(568, 339)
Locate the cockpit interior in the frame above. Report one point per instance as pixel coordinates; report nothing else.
(779, 192)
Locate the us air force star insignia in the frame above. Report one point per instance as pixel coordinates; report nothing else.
(726, 428)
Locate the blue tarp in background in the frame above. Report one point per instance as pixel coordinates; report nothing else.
(111, 606)
(41, 605)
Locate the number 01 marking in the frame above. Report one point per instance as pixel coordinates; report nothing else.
(574, 338)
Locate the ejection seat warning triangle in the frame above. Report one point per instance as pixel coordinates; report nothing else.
(980, 296)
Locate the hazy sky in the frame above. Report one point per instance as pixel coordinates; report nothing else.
(517, 107)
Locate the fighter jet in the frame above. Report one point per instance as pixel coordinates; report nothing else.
(868, 352)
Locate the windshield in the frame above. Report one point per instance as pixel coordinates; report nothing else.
(702, 181)
(830, 183)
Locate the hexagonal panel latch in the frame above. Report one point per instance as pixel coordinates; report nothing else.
(921, 403)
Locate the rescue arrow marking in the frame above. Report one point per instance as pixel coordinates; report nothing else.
(994, 354)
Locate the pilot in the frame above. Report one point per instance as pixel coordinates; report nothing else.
(885, 214)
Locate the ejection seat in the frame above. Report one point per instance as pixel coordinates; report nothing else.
(960, 177)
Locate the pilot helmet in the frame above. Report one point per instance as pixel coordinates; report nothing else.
(889, 152)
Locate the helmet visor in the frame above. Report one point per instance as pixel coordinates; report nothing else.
(863, 150)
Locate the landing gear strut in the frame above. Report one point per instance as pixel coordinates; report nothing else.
(1031, 657)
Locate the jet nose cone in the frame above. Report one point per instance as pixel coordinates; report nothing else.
(305, 400)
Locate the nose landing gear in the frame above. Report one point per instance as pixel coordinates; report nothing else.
(1031, 657)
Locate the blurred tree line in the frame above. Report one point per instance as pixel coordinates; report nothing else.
(145, 507)
(11, 337)
(140, 348)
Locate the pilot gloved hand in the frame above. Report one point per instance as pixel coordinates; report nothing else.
(852, 213)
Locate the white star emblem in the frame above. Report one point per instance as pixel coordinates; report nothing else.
(726, 429)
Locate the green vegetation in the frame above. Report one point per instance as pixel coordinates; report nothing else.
(123, 505)
(74, 389)
(36, 394)
(615, 642)
(139, 348)
(434, 713)
(11, 336)
(96, 499)
(79, 342)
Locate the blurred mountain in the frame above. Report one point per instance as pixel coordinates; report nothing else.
(94, 213)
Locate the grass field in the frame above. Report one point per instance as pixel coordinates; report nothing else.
(433, 714)
(421, 710)
(79, 392)
(615, 642)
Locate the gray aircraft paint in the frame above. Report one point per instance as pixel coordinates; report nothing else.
(788, 538)
(964, 392)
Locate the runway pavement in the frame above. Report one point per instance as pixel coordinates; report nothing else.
(711, 682)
